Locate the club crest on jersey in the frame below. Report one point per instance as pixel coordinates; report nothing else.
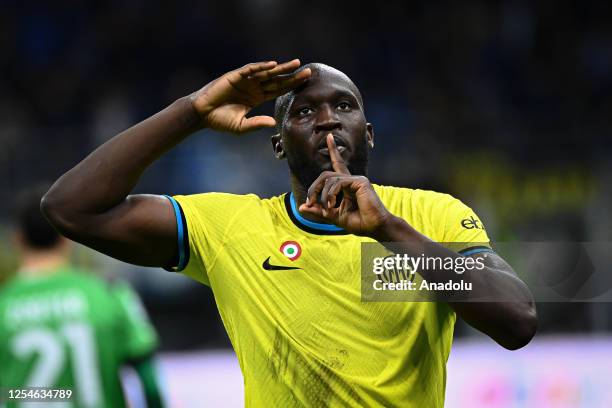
(291, 250)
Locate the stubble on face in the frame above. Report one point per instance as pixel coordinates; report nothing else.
(306, 170)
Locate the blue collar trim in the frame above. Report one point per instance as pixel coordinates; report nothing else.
(311, 224)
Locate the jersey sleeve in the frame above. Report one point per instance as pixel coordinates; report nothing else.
(207, 219)
(140, 338)
(463, 229)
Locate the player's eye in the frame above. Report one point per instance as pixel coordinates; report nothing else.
(304, 111)
(344, 106)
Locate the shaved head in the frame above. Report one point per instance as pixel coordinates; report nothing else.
(319, 72)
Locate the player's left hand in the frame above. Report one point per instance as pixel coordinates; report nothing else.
(360, 212)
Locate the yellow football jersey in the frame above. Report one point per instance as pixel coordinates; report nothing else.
(288, 291)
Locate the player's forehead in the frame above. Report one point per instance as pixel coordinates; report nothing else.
(327, 82)
(324, 78)
(321, 90)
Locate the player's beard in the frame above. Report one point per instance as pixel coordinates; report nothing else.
(307, 171)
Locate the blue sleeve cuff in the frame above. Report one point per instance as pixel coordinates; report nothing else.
(183, 239)
(475, 250)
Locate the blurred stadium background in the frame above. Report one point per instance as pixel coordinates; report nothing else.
(506, 105)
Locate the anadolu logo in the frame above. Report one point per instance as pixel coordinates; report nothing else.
(291, 250)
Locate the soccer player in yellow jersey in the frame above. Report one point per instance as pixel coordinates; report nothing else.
(285, 271)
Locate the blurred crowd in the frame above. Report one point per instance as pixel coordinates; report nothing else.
(505, 105)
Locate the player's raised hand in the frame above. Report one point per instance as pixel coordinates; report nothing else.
(225, 102)
(360, 212)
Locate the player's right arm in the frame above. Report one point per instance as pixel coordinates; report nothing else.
(91, 204)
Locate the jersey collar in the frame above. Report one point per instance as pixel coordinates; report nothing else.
(307, 225)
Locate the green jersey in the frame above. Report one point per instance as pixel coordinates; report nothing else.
(73, 331)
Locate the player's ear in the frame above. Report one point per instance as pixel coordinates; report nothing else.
(370, 135)
(277, 146)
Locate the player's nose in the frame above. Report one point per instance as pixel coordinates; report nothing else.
(327, 120)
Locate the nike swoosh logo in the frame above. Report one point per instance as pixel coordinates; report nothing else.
(269, 267)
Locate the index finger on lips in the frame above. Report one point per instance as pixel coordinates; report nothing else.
(335, 156)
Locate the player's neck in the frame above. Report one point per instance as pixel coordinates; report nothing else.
(39, 263)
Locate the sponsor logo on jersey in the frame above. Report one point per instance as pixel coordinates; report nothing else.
(471, 223)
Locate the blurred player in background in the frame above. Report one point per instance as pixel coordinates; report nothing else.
(285, 271)
(61, 327)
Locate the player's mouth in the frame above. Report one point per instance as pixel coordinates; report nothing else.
(325, 150)
(340, 143)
